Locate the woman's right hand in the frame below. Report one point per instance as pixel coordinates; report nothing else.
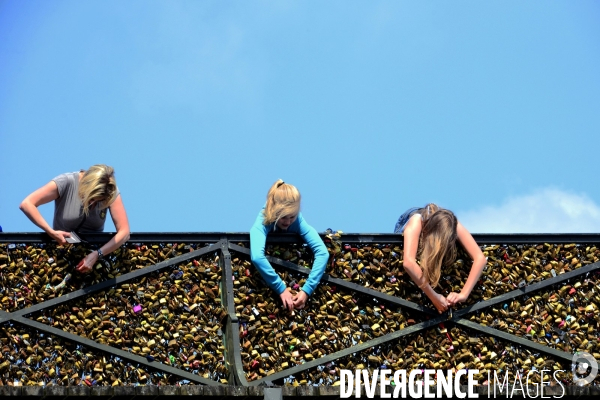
(287, 299)
(440, 302)
(59, 236)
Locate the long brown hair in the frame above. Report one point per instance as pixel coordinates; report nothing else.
(438, 241)
(283, 199)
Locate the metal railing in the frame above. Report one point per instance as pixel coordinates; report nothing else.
(225, 243)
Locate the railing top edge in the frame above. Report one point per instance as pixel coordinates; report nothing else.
(213, 237)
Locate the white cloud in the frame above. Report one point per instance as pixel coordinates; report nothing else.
(546, 210)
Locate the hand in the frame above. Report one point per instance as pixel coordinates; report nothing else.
(287, 299)
(85, 265)
(440, 302)
(300, 299)
(59, 236)
(455, 298)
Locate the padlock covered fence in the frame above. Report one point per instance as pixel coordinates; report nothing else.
(191, 309)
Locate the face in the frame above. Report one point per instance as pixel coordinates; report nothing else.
(95, 201)
(285, 221)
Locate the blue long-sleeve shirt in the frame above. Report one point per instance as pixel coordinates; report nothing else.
(258, 237)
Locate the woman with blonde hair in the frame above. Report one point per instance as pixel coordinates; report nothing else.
(81, 200)
(431, 233)
(281, 213)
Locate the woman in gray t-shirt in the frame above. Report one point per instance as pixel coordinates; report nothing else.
(81, 200)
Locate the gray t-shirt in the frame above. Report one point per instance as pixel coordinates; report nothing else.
(68, 208)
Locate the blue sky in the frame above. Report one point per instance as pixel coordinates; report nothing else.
(487, 108)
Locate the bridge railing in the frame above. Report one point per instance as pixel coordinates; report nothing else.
(189, 308)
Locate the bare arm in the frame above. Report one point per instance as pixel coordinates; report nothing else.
(119, 217)
(29, 206)
(412, 232)
(470, 245)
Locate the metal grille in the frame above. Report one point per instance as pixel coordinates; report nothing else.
(228, 245)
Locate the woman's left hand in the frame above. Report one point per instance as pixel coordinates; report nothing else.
(300, 299)
(455, 298)
(85, 266)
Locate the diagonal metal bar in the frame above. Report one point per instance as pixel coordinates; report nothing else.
(228, 279)
(110, 282)
(515, 339)
(231, 323)
(527, 289)
(112, 350)
(460, 316)
(341, 282)
(353, 349)
(236, 363)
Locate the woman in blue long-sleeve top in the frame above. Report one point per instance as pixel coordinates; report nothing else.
(282, 213)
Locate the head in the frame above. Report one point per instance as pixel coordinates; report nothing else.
(438, 241)
(98, 187)
(283, 205)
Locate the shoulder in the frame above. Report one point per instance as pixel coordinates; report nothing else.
(300, 220)
(300, 225)
(259, 222)
(417, 215)
(413, 225)
(66, 180)
(68, 177)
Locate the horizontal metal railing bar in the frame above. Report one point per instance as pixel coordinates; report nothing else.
(135, 237)
(515, 339)
(527, 289)
(536, 238)
(112, 282)
(377, 238)
(115, 351)
(341, 282)
(353, 349)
